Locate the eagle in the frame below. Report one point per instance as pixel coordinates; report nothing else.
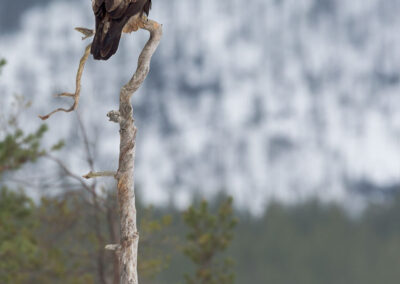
(112, 18)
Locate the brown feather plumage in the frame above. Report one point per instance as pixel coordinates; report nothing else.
(111, 18)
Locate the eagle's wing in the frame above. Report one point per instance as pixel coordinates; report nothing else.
(111, 17)
(110, 5)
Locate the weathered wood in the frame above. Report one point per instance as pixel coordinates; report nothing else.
(128, 247)
(77, 93)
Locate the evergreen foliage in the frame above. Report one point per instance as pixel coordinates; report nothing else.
(210, 234)
(25, 256)
(68, 222)
(155, 239)
(312, 243)
(53, 242)
(17, 149)
(18, 246)
(2, 63)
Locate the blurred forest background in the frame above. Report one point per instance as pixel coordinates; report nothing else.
(302, 130)
(60, 238)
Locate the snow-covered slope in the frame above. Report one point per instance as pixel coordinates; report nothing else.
(264, 99)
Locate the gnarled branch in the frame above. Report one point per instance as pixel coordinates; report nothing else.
(126, 194)
(75, 95)
(128, 248)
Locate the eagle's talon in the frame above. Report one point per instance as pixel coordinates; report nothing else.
(142, 21)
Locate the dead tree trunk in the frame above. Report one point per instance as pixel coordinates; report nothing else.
(128, 248)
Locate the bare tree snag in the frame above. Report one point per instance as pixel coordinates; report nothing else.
(75, 95)
(128, 248)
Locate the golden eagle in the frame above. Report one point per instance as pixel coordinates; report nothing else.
(112, 18)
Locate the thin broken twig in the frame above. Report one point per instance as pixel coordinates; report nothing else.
(75, 95)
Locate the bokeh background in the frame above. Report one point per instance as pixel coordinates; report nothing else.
(290, 106)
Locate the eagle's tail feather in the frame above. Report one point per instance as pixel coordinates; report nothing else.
(105, 42)
(109, 28)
